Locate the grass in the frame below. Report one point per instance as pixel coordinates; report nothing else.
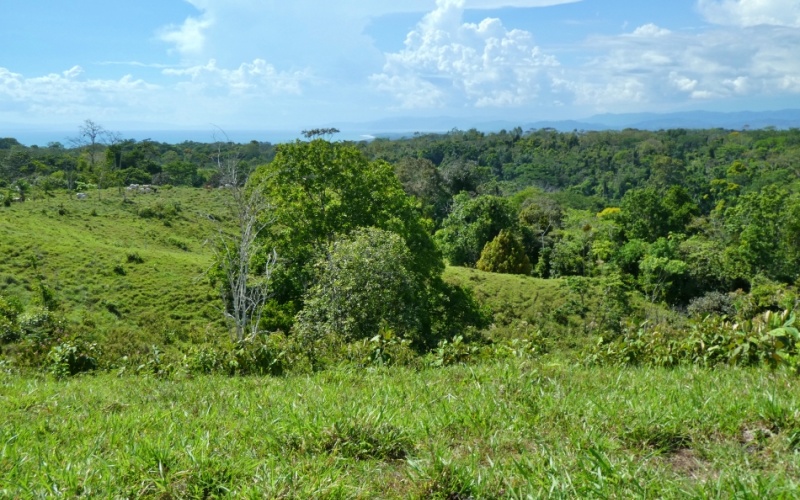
(512, 429)
(106, 261)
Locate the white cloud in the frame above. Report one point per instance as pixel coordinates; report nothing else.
(655, 67)
(498, 4)
(190, 37)
(481, 64)
(257, 77)
(746, 13)
(650, 30)
(67, 96)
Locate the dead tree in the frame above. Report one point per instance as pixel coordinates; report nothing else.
(244, 291)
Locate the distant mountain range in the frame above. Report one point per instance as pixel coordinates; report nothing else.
(407, 126)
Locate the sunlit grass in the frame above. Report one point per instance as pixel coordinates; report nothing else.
(510, 429)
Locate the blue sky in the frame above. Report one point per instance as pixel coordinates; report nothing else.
(285, 65)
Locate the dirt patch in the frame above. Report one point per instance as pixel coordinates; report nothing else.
(684, 461)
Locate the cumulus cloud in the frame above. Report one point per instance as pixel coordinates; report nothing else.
(650, 30)
(68, 95)
(257, 77)
(654, 66)
(446, 60)
(190, 37)
(67, 86)
(747, 13)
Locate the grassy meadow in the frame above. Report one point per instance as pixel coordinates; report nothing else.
(531, 423)
(519, 428)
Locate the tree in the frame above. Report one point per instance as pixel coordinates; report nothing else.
(473, 223)
(505, 254)
(421, 179)
(243, 291)
(364, 283)
(320, 190)
(90, 137)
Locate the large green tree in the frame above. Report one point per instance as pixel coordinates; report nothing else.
(321, 190)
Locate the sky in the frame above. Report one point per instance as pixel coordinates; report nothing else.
(294, 64)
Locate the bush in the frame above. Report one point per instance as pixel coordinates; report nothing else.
(711, 303)
(364, 285)
(72, 357)
(9, 327)
(178, 243)
(159, 210)
(255, 355)
(134, 258)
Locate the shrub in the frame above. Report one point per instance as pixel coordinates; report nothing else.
(364, 285)
(178, 243)
(72, 357)
(134, 258)
(160, 210)
(9, 326)
(711, 303)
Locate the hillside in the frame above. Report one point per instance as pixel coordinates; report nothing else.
(118, 264)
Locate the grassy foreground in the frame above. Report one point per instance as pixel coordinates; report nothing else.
(517, 428)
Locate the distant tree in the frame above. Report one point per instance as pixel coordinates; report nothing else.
(315, 133)
(505, 254)
(472, 223)
(90, 138)
(421, 179)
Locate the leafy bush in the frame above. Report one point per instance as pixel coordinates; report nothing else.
(453, 352)
(770, 338)
(9, 327)
(711, 303)
(364, 285)
(255, 355)
(72, 357)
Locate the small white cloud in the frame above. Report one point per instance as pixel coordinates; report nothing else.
(683, 83)
(189, 38)
(499, 4)
(650, 30)
(747, 13)
(481, 64)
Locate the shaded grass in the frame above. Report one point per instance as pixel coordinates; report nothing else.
(512, 429)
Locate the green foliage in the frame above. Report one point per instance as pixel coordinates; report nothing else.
(472, 223)
(254, 355)
(504, 254)
(770, 339)
(72, 357)
(160, 210)
(365, 284)
(319, 191)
